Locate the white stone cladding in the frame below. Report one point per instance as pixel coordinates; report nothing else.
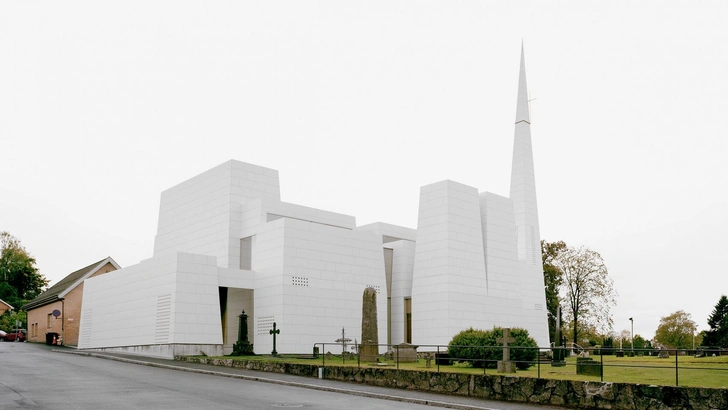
(199, 215)
(448, 283)
(227, 243)
(310, 278)
(165, 301)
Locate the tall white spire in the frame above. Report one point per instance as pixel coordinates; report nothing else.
(523, 180)
(522, 112)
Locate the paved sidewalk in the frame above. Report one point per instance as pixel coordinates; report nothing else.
(411, 396)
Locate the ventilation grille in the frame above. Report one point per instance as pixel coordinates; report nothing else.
(265, 324)
(299, 281)
(87, 326)
(164, 308)
(538, 306)
(375, 288)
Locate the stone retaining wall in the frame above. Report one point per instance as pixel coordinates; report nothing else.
(576, 394)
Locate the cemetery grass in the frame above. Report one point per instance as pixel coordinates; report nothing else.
(693, 372)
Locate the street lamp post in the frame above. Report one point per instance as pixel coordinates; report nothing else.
(632, 335)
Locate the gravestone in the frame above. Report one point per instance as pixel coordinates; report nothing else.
(343, 340)
(506, 365)
(406, 353)
(428, 359)
(274, 332)
(559, 352)
(369, 329)
(242, 346)
(588, 366)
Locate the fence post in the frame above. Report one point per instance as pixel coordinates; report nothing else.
(601, 363)
(358, 355)
(676, 371)
(437, 358)
(538, 362)
(397, 347)
(484, 362)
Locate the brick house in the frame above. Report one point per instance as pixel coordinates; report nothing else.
(64, 299)
(4, 307)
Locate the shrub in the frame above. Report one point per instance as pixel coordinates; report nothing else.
(479, 347)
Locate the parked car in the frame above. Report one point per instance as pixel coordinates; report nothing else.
(16, 335)
(2, 335)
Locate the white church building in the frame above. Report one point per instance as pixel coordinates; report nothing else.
(226, 243)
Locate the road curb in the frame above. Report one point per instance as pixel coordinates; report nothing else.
(414, 400)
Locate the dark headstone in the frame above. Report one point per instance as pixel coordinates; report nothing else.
(559, 351)
(588, 366)
(243, 347)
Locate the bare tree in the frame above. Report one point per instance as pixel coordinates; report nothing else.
(587, 290)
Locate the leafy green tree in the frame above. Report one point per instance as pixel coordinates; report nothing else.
(552, 278)
(641, 343)
(718, 322)
(481, 348)
(9, 319)
(20, 280)
(587, 291)
(676, 330)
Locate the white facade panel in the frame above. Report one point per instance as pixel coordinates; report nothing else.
(473, 261)
(449, 264)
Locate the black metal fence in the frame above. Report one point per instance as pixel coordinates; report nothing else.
(589, 362)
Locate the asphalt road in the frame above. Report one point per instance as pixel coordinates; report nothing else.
(34, 377)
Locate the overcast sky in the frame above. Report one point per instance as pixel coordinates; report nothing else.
(104, 104)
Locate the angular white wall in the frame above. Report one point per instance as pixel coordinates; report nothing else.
(198, 215)
(168, 300)
(448, 282)
(310, 281)
(501, 257)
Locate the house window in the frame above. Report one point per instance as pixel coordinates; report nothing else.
(50, 321)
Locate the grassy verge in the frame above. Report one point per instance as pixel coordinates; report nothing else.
(694, 372)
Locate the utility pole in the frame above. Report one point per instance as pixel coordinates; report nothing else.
(632, 334)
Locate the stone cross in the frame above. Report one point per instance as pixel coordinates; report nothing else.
(343, 340)
(274, 332)
(428, 359)
(506, 366)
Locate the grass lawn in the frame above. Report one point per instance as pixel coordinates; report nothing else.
(694, 372)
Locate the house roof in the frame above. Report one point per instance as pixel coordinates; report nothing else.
(67, 284)
(6, 304)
